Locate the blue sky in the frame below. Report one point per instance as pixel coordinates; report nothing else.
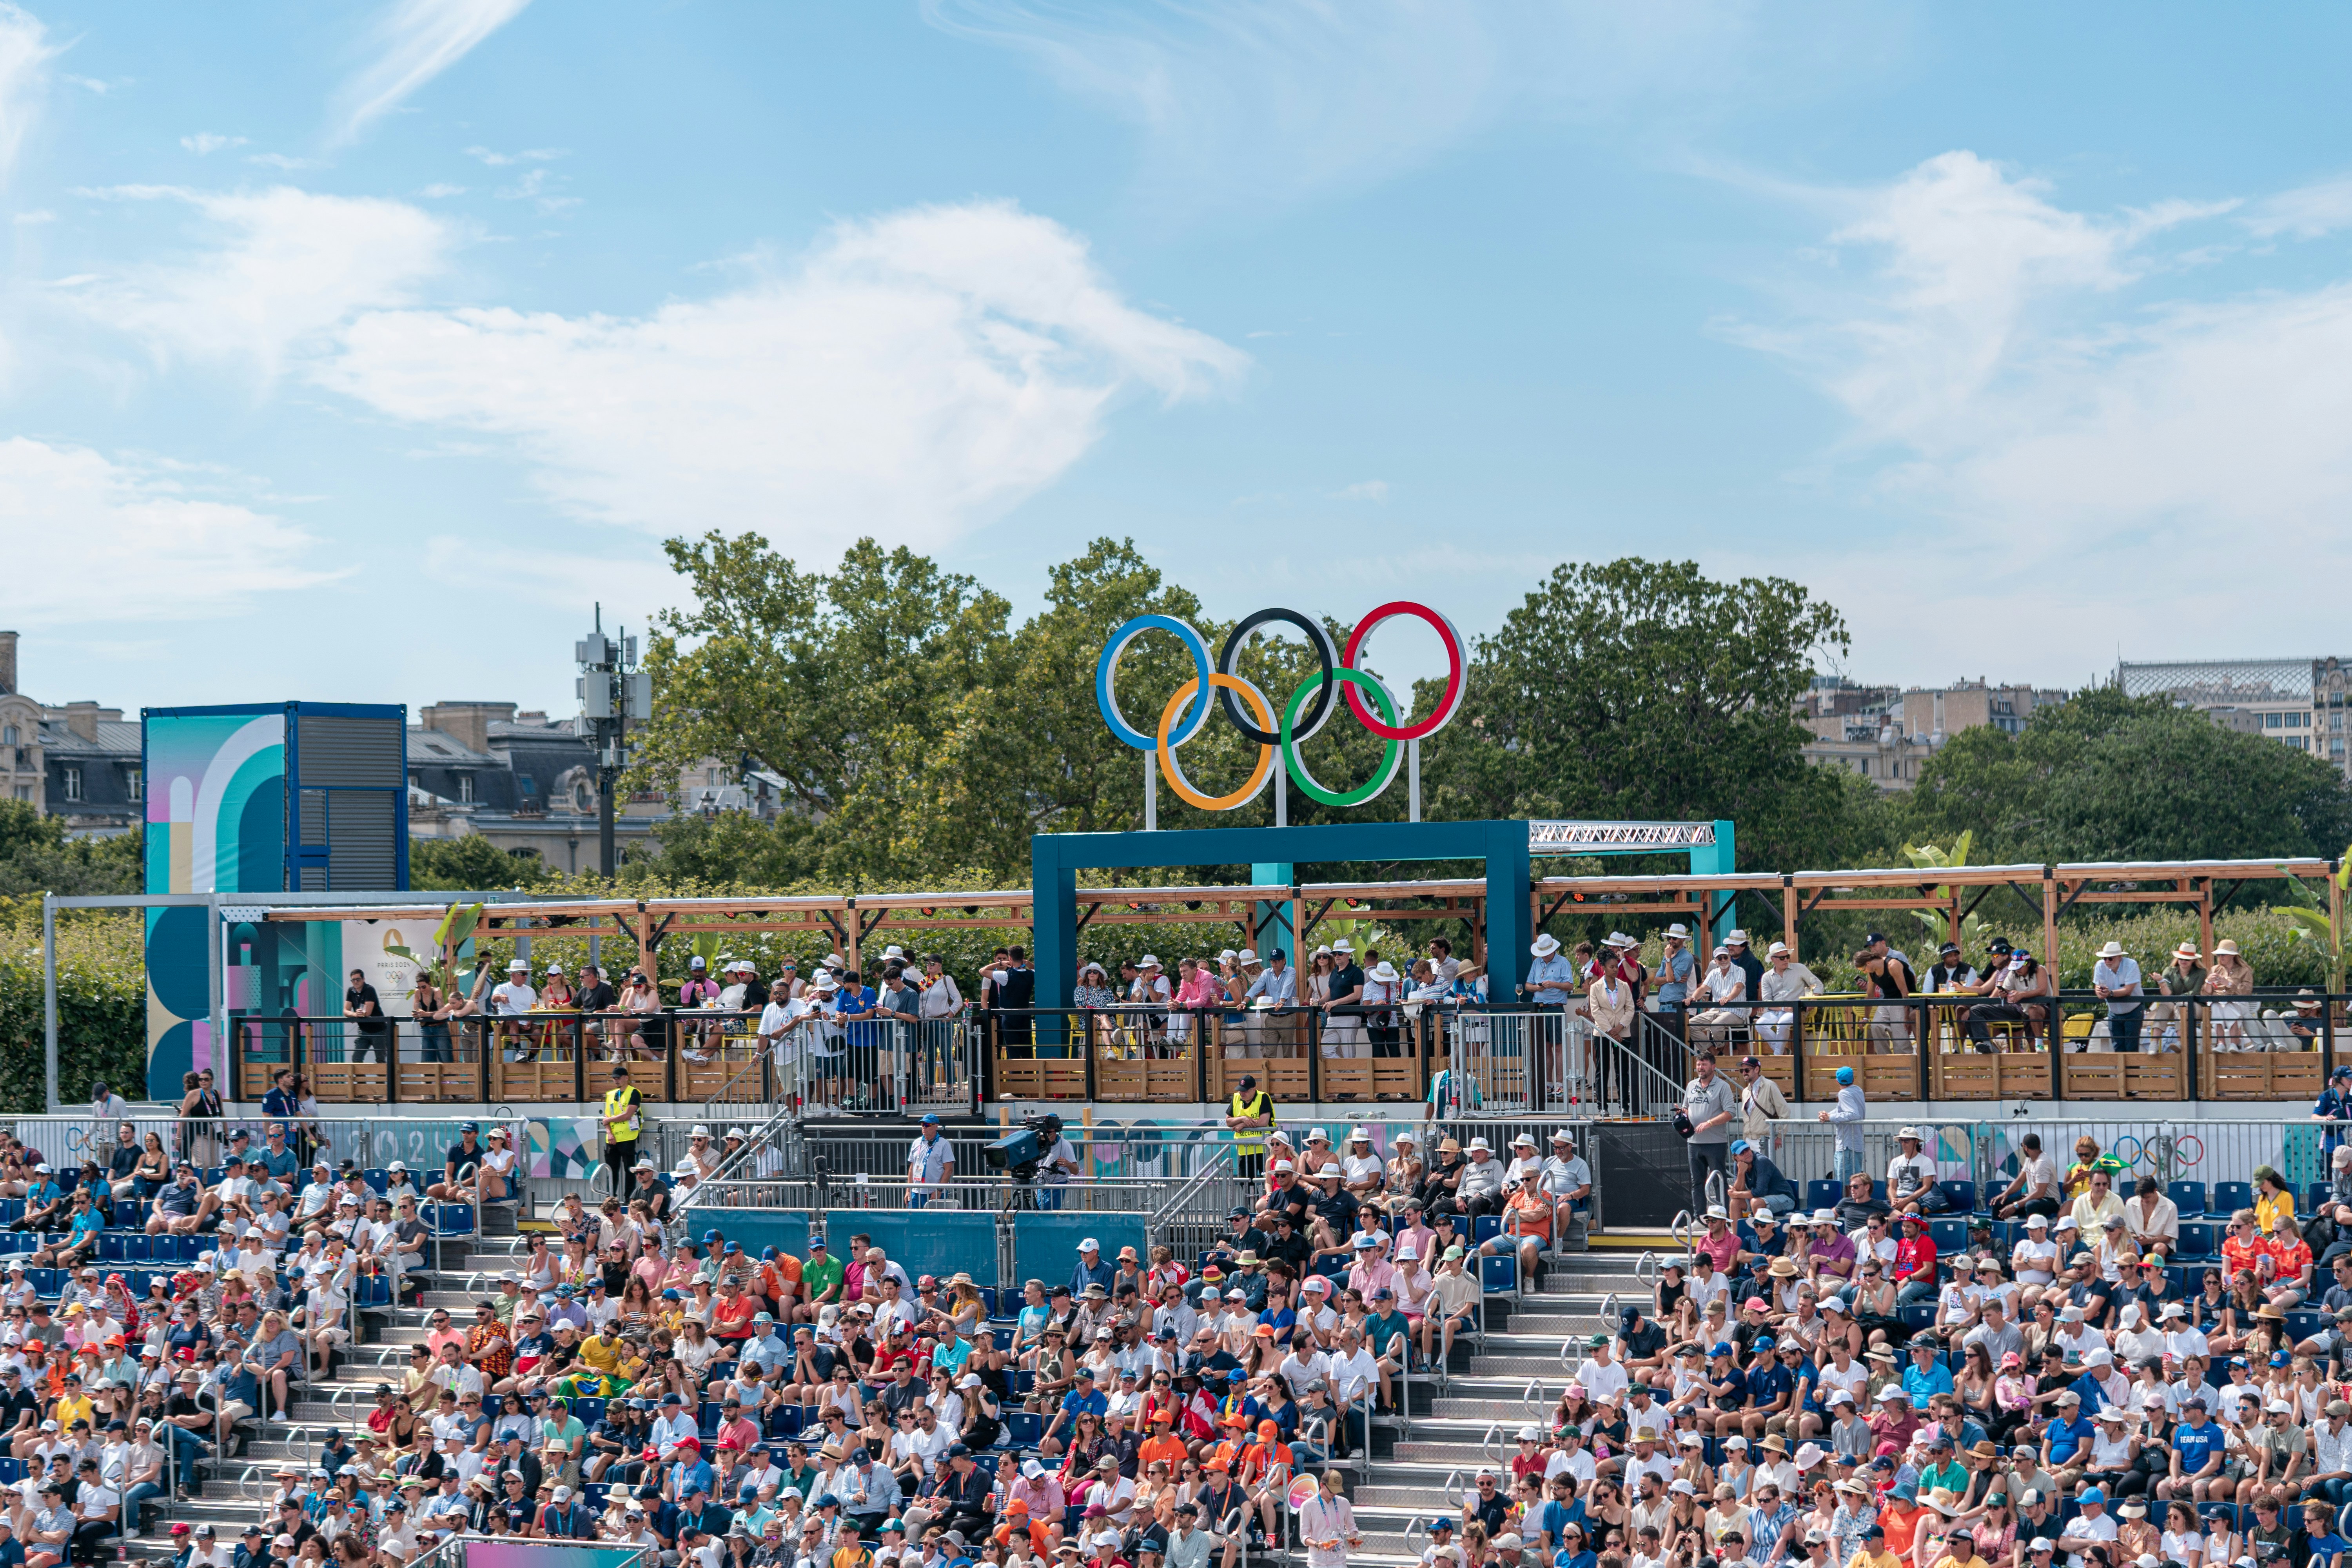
(349, 353)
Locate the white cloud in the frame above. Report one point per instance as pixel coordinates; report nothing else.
(2308, 213)
(529, 155)
(912, 376)
(283, 160)
(76, 519)
(438, 189)
(206, 141)
(1240, 102)
(25, 55)
(416, 40)
(289, 264)
(1366, 489)
(2006, 373)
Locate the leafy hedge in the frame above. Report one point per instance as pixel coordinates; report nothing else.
(101, 1006)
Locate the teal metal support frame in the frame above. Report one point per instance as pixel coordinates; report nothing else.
(1057, 859)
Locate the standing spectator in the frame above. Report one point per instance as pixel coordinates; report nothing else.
(2115, 979)
(371, 1033)
(2184, 976)
(1676, 970)
(1846, 1118)
(1343, 1026)
(1783, 983)
(1761, 1103)
(930, 1164)
(1712, 1105)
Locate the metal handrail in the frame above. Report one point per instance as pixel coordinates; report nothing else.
(1645, 1268)
(243, 1489)
(1532, 1394)
(1492, 1442)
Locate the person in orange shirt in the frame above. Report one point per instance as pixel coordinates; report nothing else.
(1163, 1444)
(2243, 1249)
(1901, 1518)
(1016, 1515)
(779, 1281)
(1265, 1472)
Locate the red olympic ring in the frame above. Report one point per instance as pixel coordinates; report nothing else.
(1456, 682)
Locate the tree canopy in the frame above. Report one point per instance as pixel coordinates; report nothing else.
(2110, 777)
(921, 734)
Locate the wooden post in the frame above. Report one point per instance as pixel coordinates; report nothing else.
(849, 937)
(1788, 915)
(2205, 917)
(2335, 929)
(2050, 924)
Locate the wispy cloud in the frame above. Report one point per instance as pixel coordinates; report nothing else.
(2307, 213)
(437, 190)
(415, 40)
(282, 265)
(1367, 490)
(164, 552)
(1244, 102)
(25, 55)
(911, 376)
(283, 160)
(2008, 363)
(205, 142)
(529, 155)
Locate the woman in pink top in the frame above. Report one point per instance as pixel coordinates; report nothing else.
(1196, 986)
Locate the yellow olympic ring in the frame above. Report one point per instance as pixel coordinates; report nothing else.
(1175, 776)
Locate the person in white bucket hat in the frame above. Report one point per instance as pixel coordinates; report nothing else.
(1344, 1035)
(2115, 980)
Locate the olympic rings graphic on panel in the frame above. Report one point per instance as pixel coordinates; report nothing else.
(2116, 1148)
(1255, 719)
(2181, 1147)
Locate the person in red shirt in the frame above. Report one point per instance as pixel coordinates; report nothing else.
(2243, 1249)
(731, 1313)
(1915, 1261)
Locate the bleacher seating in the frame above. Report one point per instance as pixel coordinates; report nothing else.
(2229, 1197)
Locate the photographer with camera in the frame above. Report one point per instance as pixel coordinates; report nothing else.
(1704, 1114)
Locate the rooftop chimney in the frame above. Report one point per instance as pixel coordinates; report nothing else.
(7, 662)
(468, 723)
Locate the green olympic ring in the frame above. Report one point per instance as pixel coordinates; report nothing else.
(1298, 765)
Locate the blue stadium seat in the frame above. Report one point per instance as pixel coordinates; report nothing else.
(11, 1470)
(2303, 1325)
(589, 1411)
(1485, 1227)
(1961, 1195)
(11, 1210)
(1023, 1427)
(2196, 1237)
(2316, 1196)
(1500, 1272)
(453, 1219)
(2229, 1197)
(2189, 1197)
(1821, 1193)
(379, 1179)
(1919, 1315)
(2293, 1519)
(1950, 1236)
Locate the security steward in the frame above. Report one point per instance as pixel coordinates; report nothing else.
(624, 1119)
(1251, 1111)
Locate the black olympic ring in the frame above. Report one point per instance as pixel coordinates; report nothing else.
(1325, 654)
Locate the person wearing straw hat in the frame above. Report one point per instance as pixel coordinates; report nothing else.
(2231, 976)
(2116, 980)
(2183, 976)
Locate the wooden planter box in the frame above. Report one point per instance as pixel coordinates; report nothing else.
(2099, 1076)
(1041, 1077)
(2024, 1075)
(441, 1081)
(2155, 1078)
(650, 1079)
(1782, 1071)
(1166, 1079)
(707, 1080)
(541, 1081)
(2235, 1074)
(2296, 1075)
(1964, 1077)
(1398, 1077)
(355, 1083)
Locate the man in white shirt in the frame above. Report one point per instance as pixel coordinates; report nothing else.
(514, 995)
(1911, 1177)
(1299, 1370)
(1601, 1376)
(1354, 1372)
(2182, 1337)
(2115, 980)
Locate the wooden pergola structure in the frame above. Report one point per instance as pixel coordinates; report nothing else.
(849, 922)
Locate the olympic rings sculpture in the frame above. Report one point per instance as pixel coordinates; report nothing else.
(1258, 720)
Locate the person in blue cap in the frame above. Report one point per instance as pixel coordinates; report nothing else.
(930, 1164)
(464, 1160)
(1845, 1119)
(2333, 1109)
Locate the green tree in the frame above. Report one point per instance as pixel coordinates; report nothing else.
(35, 856)
(840, 684)
(1645, 689)
(2110, 777)
(471, 864)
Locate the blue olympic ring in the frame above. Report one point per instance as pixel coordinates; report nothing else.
(1106, 671)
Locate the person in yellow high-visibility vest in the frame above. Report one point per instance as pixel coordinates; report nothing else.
(1251, 1111)
(623, 1118)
